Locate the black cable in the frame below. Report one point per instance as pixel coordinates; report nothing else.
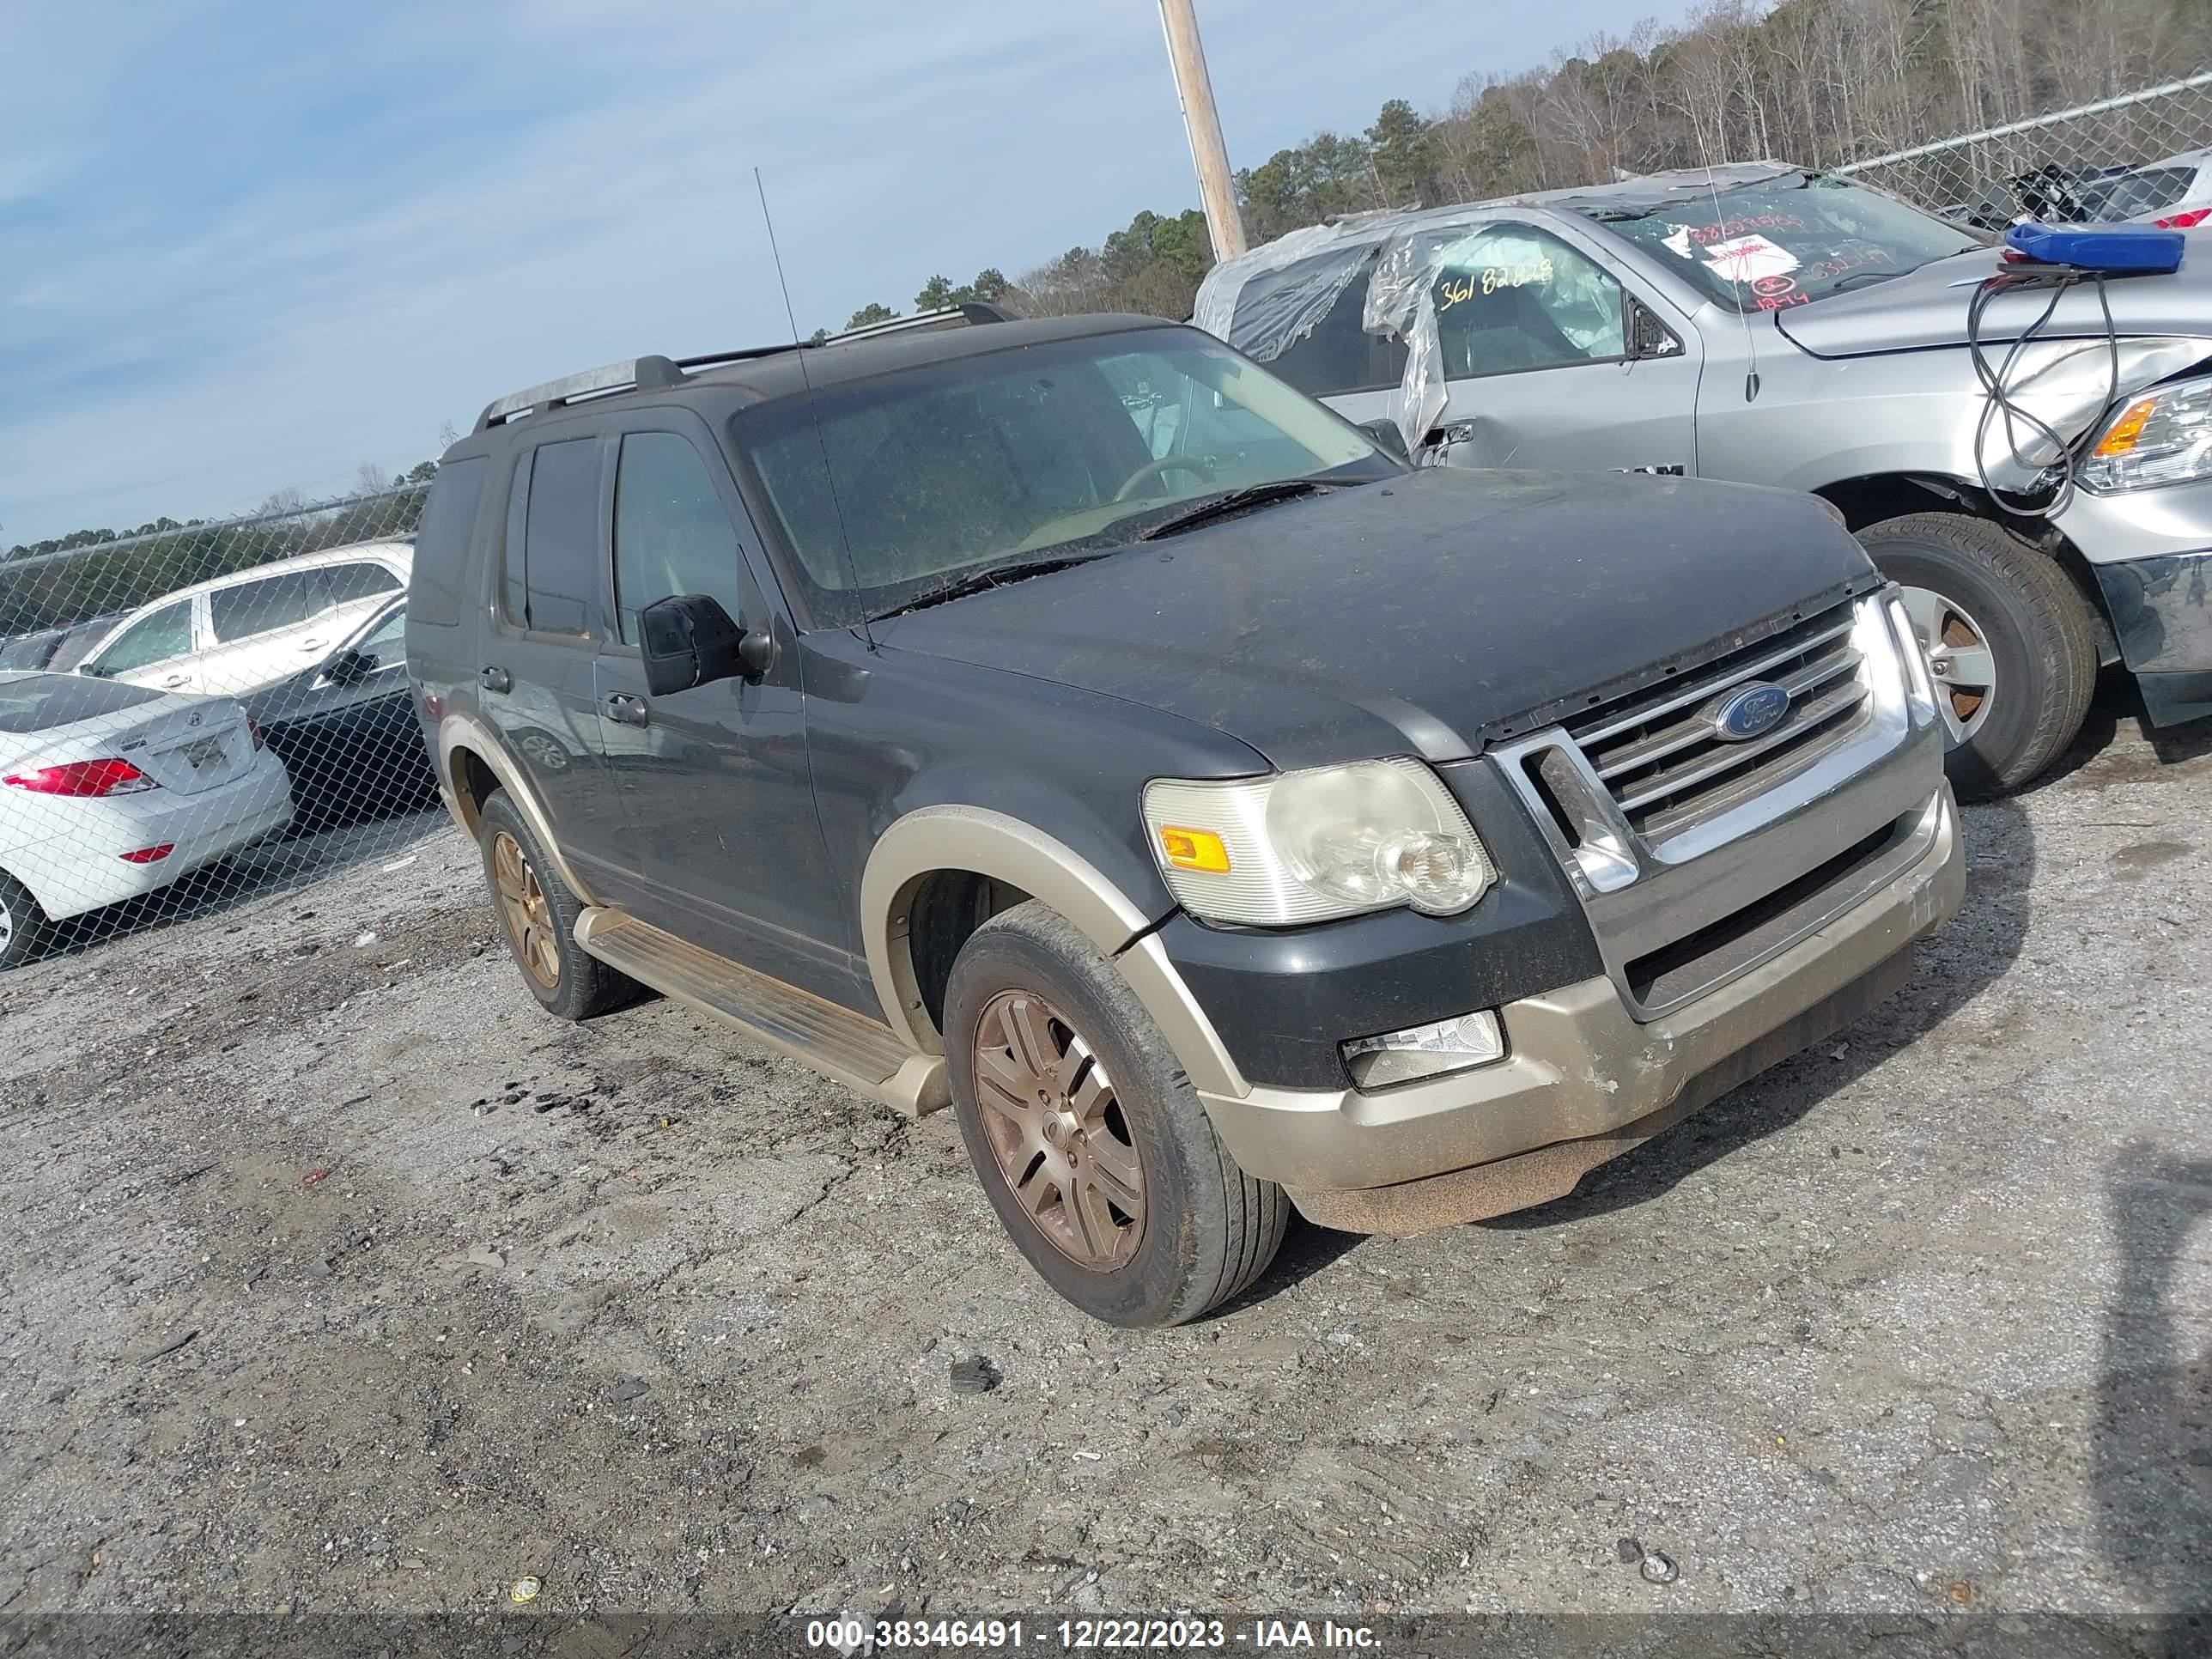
(1995, 383)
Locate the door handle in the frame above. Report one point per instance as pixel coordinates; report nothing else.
(311, 645)
(625, 710)
(177, 679)
(495, 679)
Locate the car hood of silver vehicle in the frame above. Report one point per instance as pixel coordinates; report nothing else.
(1927, 308)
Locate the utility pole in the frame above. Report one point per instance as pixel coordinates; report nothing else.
(1211, 156)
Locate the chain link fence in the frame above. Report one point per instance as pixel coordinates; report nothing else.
(201, 712)
(2072, 166)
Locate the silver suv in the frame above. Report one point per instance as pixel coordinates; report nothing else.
(1773, 325)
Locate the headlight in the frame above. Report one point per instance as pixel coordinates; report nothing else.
(1312, 846)
(2163, 437)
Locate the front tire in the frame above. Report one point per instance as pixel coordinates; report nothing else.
(2011, 644)
(24, 928)
(538, 914)
(1090, 1141)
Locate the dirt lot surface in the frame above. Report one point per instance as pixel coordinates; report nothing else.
(339, 1277)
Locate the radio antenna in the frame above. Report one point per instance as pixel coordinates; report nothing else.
(1720, 234)
(799, 352)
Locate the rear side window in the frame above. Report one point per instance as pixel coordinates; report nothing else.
(39, 702)
(2135, 194)
(560, 543)
(1331, 353)
(442, 543)
(348, 582)
(672, 533)
(168, 632)
(260, 607)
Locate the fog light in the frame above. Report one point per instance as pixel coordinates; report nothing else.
(1424, 1051)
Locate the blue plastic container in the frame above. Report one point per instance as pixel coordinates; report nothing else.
(2120, 249)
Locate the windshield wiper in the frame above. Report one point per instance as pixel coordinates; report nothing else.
(979, 581)
(1843, 282)
(1233, 501)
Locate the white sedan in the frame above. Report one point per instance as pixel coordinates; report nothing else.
(110, 791)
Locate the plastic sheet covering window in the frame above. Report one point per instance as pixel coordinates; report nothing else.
(1284, 290)
(1278, 296)
(1269, 302)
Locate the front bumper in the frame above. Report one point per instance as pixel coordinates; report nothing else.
(1585, 1080)
(2162, 619)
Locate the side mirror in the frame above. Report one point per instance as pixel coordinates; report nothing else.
(348, 667)
(690, 640)
(1385, 432)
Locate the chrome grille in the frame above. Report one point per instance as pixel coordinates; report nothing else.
(1659, 752)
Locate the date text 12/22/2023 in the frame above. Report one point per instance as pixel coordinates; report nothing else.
(850, 1635)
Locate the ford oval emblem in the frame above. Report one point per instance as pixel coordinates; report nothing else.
(1749, 711)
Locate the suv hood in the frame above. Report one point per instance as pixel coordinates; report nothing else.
(1429, 614)
(1927, 308)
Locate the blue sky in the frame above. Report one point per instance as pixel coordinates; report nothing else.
(250, 246)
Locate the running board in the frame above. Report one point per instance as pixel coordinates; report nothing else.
(860, 1052)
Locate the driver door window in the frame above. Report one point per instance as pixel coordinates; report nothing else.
(148, 643)
(1509, 297)
(673, 535)
(386, 645)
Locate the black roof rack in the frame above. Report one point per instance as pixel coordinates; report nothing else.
(653, 372)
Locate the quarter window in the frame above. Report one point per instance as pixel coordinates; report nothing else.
(560, 546)
(672, 533)
(1508, 297)
(441, 541)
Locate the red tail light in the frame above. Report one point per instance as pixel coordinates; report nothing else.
(148, 855)
(2188, 221)
(83, 778)
(260, 739)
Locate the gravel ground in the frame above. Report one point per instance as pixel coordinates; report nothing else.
(339, 1278)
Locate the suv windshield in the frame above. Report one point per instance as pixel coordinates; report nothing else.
(1026, 456)
(1787, 240)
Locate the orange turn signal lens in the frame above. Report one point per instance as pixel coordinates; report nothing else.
(2121, 436)
(1193, 850)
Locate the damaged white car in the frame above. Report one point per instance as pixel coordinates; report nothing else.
(2027, 449)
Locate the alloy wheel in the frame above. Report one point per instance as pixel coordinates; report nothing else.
(1057, 1131)
(1960, 660)
(524, 907)
(7, 924)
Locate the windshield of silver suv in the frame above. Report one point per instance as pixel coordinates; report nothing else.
(891, 488)
(1788, 240)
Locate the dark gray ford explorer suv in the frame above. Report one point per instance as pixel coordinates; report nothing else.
(1070, 722)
